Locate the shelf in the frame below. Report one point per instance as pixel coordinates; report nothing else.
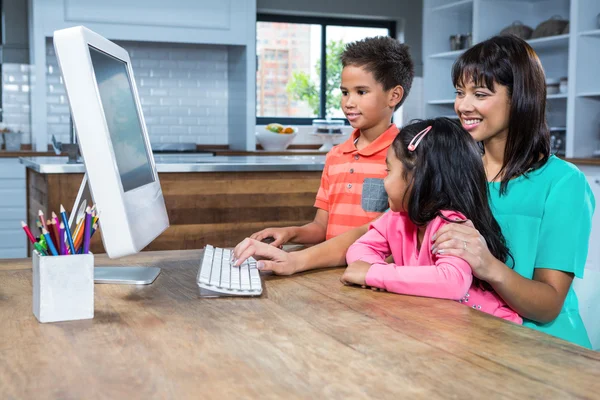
(550, 42)
(558, 128)
(589, 94)
(595, 32)
(456, 4)
(448, 54)
(556, 96)
(441, 102)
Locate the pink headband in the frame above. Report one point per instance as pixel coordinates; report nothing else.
(412, 146)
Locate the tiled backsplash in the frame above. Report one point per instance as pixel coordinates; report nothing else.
(15, 99)
(182, 88)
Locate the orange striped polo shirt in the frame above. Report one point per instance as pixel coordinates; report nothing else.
(345, 169)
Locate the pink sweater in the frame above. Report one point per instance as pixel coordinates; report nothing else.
(418, 272)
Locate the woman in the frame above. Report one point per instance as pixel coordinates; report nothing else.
(543, 204)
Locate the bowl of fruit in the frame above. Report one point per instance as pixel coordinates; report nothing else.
(276, 137)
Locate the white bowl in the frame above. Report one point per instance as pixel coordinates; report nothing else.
(274, 141)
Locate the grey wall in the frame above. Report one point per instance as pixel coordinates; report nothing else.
(407, 13)
(183, 90)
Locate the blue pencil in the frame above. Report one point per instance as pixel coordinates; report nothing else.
(49, 242)
(65, 218)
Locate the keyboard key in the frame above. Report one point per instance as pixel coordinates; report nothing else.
(245, 277)
(216, 275)
(254, 278)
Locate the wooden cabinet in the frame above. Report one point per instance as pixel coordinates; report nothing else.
(217, 208)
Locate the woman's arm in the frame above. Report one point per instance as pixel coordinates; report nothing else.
(539, 299)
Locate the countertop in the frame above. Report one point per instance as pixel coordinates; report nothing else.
(193, 163)
(307, 336)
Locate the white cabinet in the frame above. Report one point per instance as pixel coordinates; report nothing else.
(588, 288)
(13, 242)
(176, 21)
(573, 116)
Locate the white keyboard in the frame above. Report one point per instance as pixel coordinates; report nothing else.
(217, 277)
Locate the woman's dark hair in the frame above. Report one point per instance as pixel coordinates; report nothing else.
(509, 61)
(445, 172)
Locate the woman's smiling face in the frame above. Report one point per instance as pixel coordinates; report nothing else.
(483, 113)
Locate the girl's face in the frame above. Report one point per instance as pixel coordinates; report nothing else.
(395, 184)
(483, 113)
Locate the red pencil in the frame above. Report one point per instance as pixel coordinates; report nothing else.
(56, 234)
(28, 232)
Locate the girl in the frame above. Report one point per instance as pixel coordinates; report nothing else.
(544, 205)
(435, 177)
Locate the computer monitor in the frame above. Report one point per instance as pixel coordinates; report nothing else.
(112, 136)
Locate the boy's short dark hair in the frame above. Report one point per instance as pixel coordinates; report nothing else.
(386, 58)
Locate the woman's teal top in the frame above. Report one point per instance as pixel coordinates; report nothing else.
(546, 218)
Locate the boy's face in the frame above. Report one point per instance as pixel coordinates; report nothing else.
(364, 102)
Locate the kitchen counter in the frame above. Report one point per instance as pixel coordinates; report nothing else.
(193, 163)
(216, 200)
(24, 153)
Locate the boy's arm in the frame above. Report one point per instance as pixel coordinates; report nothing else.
(331, 253)
(312, 233)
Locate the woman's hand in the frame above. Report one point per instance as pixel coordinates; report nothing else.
(272, 258)
(280, 235)
(356, 273)
(464, 241)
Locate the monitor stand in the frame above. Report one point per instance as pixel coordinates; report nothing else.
(125, 275)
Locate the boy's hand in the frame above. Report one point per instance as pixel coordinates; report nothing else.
(280, 235)
(271, 258)
(356, 273)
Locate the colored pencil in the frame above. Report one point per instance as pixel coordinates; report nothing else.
(87, 230)
(42, 220)
(65, 219)
(61, 235)
(49, 242)
(28, 232)
(40, 249)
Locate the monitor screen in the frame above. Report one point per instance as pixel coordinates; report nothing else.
(124, 123)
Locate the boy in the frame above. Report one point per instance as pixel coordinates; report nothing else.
(376, 78)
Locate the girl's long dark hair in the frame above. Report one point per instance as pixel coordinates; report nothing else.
(511, 62)
(445, 172)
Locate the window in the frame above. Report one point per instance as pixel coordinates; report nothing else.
(293, 86)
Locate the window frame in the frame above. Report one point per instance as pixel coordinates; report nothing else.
(390, 25)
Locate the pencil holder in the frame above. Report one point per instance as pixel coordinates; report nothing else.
(63, 287)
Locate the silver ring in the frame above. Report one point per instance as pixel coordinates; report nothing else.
(464, 245)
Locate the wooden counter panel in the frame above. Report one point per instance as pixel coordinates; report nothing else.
(216, 208)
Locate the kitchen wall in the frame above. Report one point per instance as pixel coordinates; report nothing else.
(182, 88)
(15, 99)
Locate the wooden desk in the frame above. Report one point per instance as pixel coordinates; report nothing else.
(306, 337)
